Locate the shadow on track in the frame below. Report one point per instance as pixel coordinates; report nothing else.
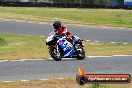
(66, 59)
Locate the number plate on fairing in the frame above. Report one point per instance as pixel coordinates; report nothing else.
(66, 46)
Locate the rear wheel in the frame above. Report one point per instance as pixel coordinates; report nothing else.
(55, 52)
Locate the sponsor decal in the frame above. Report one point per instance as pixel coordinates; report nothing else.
(83, 78)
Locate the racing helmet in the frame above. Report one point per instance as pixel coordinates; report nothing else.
(56, 24)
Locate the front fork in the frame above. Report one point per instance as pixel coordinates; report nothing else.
(78, 48)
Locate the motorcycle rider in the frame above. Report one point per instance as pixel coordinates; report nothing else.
(61, 29)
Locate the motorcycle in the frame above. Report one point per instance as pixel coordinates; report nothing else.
(60, 48)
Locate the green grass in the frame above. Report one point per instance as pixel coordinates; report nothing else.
(23, 46)
(3, 42)
(33, 47)
(103, 17)
(93, 48)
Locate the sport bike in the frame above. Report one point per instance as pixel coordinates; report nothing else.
(60, 48)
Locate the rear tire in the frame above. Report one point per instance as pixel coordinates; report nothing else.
(54, 55)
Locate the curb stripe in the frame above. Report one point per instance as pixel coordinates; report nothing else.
(33, 79)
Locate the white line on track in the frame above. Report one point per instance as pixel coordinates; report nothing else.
(20, 20)
(4, 60)
(7, 81)
(6, 20)
(121, 55)
(44, 79)
(24, 80)
(113, 42)
(109, 56)
(87, 40)
(42, 23)
(96, 41)
(97, 56)
(63, 59)
(32, 59)
(24, 60)
(30, 22)
(15, 60)
(60, 78)
(50, 58)
(125, 43)
(104, 42)
(31, 80)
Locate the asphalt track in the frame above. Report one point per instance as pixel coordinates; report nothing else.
(121, 35)
(48, 69)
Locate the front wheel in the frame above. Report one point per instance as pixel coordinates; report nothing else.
(81, 54)
(55, 52)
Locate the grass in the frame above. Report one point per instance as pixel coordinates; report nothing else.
(14, 46)
(3, 42)
(107, 49)
(99, 17)
(23, 46)
(56, 83)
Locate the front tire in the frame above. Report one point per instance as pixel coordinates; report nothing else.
(55, 53)
(81, 54)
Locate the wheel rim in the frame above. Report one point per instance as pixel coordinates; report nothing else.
(56, 53)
